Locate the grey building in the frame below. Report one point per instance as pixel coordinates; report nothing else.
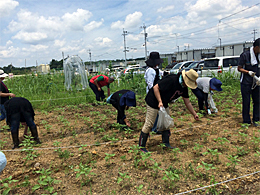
(195, 54)
(234, 49)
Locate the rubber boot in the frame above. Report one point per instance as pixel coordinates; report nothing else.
(165, 138)
(143, 140)
(35, 134)
(15, 140)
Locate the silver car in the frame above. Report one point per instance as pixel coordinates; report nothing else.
(180, 66)
(217, 65)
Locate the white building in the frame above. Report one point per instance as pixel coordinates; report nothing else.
(43, 68)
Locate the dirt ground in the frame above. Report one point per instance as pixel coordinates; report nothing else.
(110, 153)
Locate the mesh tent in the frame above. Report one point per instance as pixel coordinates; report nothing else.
(75, 74)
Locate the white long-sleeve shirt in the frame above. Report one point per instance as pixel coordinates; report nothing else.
(149, 77)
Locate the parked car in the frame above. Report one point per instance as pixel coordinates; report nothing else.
(213, 66)
(170, 66)
(180, 66)
(195, 65)
(134, 70)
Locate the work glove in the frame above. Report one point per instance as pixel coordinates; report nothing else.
(215, 110)
(209, 112)
(251, 73)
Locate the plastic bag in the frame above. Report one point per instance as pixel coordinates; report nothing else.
(109, 99)
(211, 103)
(164, 120)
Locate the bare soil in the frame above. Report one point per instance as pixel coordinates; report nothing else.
(94, 126)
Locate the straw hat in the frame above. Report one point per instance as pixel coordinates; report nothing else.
(3, 74)
(190, 78)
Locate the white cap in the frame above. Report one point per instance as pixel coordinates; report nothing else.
(3, 74)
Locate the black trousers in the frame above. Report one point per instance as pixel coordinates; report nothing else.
(99, 94)
(246, 93)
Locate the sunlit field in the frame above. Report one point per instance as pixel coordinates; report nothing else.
(84, 150)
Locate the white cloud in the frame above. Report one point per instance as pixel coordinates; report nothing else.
(205, 9)
(35, 48)
(34, 29)
(165, 9)
(133, 37)
(30, 37)
(131, 20)
(92, 25)
(103, 41)
(69, 49)
(9, 52)
(59, 43)
(6, 7)
(9, 42)
(76, 20)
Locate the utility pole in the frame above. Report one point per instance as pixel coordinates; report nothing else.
(89, 52)
(254, 32)
(145, 40)
(125, 50)
(220, 44)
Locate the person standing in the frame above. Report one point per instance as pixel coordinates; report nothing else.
(4, 94)
(152, 76)
(122, 100)
(165, 91)
(99, 81)
(205, 87)
(18, 110)
(249, 65)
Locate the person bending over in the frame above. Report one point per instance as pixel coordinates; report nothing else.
(18, 110)
(122, 100)
(97, 82)
(205, 87)
(165, 91)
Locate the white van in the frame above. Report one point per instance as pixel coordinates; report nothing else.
(214, 66)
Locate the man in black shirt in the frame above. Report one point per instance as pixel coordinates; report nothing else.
(249, 66)
(165, 91)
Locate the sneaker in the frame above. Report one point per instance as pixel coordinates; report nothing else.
(144, 150)
(168, 146)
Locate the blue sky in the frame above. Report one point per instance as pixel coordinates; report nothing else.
(35, 30)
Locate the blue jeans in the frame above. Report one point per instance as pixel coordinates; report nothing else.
(16, 119)
(3, 112)
(200, 95)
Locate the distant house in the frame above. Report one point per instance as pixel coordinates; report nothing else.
(43, 68)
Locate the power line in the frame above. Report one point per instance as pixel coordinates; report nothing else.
(238, 12)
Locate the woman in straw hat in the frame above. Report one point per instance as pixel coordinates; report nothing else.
(165, 91)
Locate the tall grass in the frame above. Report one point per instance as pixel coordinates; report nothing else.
(46, 91)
